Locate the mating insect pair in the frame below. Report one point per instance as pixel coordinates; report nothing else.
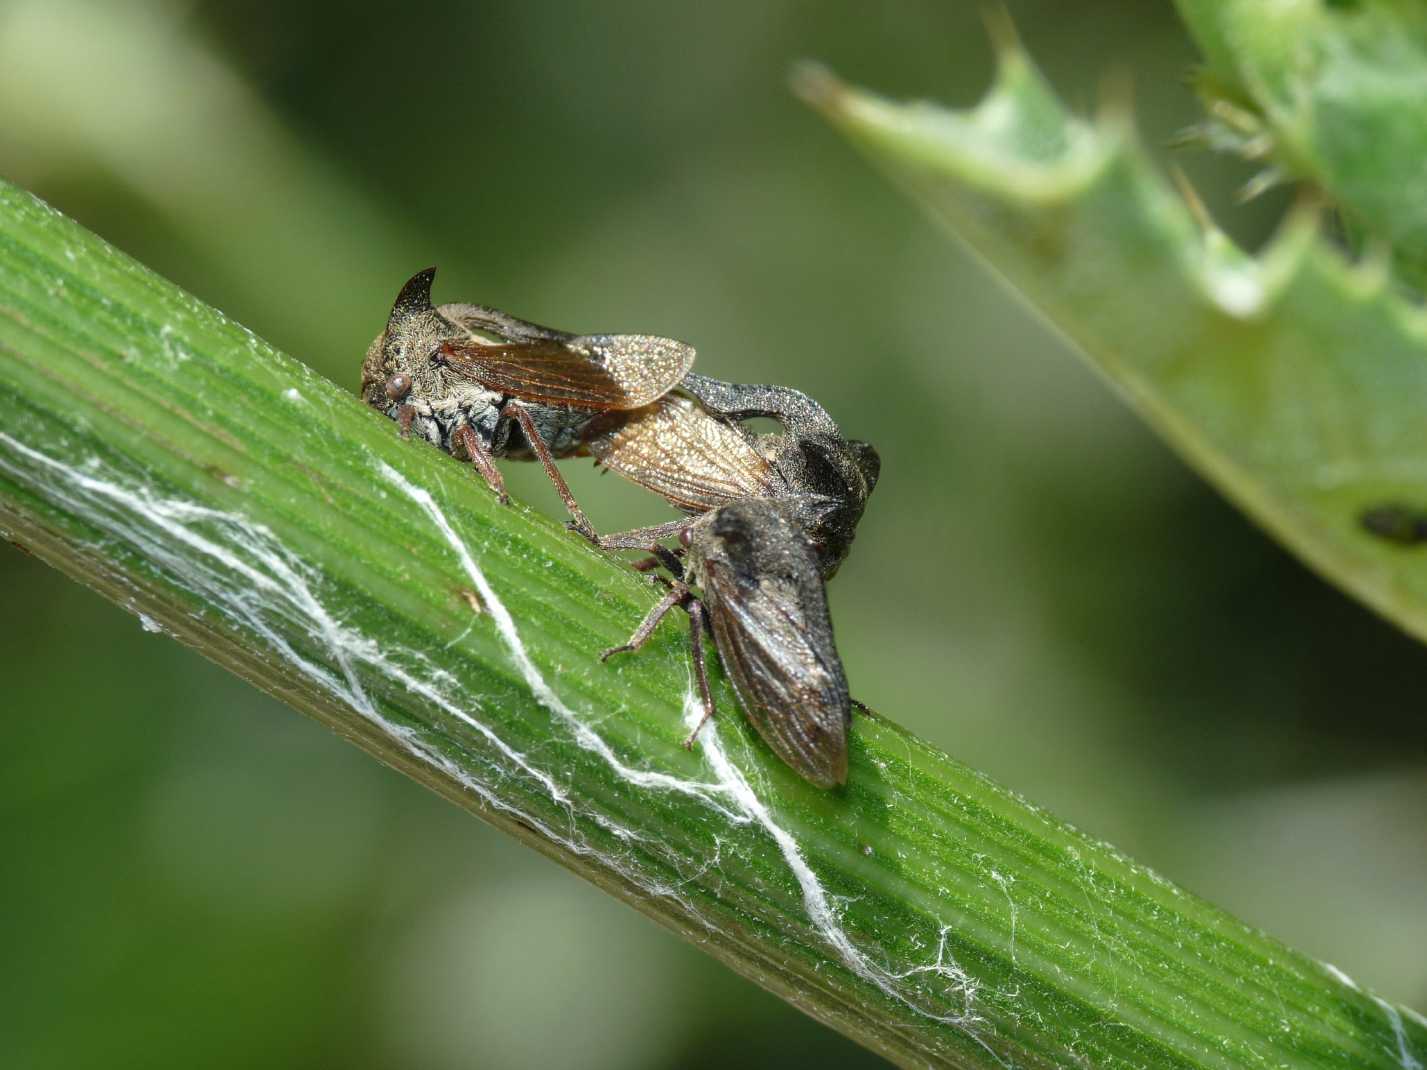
(770, 517)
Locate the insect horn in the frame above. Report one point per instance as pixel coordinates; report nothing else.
(415, 297)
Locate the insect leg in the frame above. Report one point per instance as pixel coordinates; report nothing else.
(662, 557)
(484, 463)
(404, 415)
(670, 560)
(677, 593)
(697, 618)
(537, 443)
(643, 538)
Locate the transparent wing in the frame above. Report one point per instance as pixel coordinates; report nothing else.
(683, 454)
(646, 366)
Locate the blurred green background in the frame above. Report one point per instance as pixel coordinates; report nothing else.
(195, 875)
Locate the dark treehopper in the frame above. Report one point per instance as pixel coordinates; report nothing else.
(481, 384)
(773, 518)
(762, 597)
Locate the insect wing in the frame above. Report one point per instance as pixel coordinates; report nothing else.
(541, 371)
(774, 635)
(646, 366)
(598, 372)
(683, 454)
(484, 320)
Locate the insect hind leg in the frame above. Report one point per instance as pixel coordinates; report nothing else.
(537, 442)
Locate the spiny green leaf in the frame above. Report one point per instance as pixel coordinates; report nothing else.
(1339, 89)
(1295, 381)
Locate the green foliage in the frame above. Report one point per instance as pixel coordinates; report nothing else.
(1336, 92)
(1294, 380)
(173, 461)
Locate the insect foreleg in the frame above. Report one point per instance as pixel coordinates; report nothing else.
(404, 416)
(670, 560)
(677, 593)
(482, 460)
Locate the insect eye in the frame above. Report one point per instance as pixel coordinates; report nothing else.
(686, 537)
(398, 386)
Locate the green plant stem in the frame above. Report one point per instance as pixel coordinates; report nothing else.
(180, 466)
